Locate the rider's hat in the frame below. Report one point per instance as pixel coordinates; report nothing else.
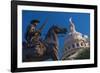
(35, 21)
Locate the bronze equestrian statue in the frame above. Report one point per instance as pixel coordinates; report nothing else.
(45, 49)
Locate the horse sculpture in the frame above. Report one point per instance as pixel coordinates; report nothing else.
(48, 49)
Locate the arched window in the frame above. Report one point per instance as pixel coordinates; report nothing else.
(73, 46)
(77, 44)
(65, 49)
(85, 44)
(68, 47)
(82, 44)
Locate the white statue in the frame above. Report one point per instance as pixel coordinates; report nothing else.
(72, 26)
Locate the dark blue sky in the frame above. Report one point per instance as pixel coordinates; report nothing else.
(81, 21)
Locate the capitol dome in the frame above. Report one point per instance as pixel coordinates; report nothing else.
(73, 36)
(74, 40)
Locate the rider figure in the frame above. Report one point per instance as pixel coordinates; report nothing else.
(31, 32)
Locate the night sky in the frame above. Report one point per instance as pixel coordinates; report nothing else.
(81, 21)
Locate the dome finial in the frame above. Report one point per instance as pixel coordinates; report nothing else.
(72, 26)
(70, 19)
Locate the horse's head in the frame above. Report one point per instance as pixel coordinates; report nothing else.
(59, 30)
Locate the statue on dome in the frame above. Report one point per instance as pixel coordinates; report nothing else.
(72, 26)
